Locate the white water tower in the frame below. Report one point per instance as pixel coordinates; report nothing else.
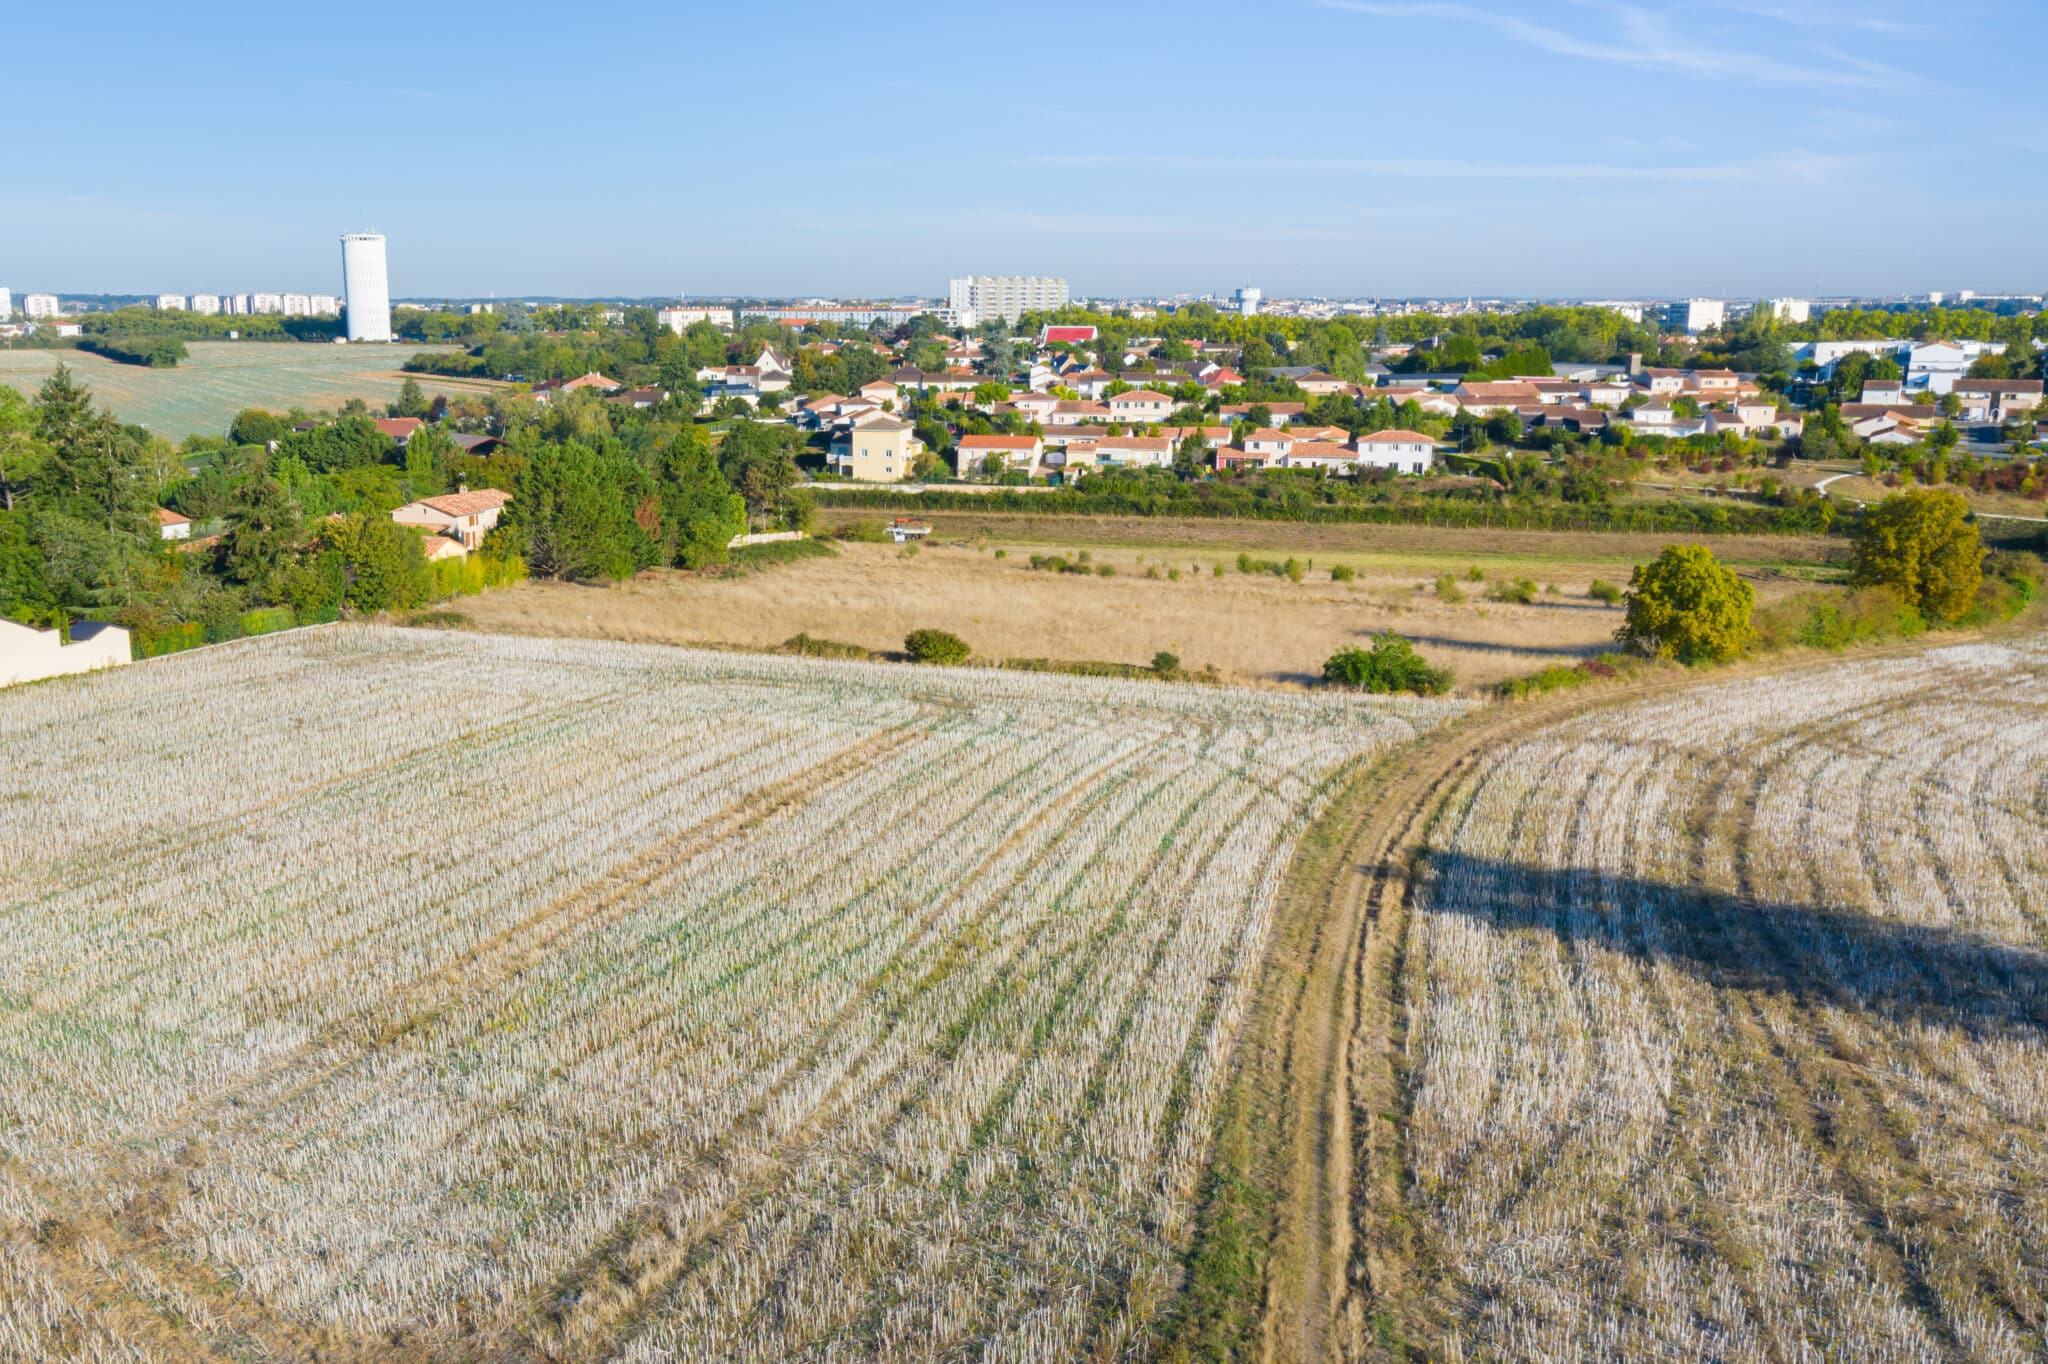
(367, 286)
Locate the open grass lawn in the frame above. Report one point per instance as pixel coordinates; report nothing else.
(1255, 628)
(203, 394)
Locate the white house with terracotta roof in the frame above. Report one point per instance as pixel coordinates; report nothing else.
(1405, 452)
(1320, 454)
(1135, 452)
(400, 429)
(878, 449)
(1140, 405)
(465, 516)
(30, 655)
(1016, 452)
(170, 525)
(1485, 399)
(441, 547)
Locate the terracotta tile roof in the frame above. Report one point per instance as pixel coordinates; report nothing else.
(467, 504)
(1396, 436)
(399, 428)
(166, 517)
(997, 442)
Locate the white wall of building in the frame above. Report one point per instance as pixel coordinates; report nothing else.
(1006, 296)
(40, 305)
(366, 284)
(206, 305)
(6, 305)
(29, 655)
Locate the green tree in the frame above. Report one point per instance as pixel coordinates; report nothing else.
(254, 426)
(935, 646)
(411, 401)
(22, 451)
(262, 531)
(700, 512)
(759, 461)
(1685, 605)
(1924, 544)
(572, 514)
(386, 568)
(1390, 665)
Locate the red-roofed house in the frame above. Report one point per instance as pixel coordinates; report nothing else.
(170, 525)
(465, 516)
(1140, 405)
(1405, 452)
(399, 429)
(1065, 336)
(1018, 452)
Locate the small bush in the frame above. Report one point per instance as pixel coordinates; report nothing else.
(1604, 591)
(1293, 569)
(1519, 591)
(1166, 664)
(1447, 589)
(935, 646)
(1343, 573)
(1474, 574)
(866, 531)
(1105, 570)
(1557, 677)
(1390, 665)
(1216, 570)
(806, 646)
(1002, 554)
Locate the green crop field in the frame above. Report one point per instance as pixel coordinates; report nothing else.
(204, 393)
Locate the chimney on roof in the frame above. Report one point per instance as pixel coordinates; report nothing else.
(462, 487)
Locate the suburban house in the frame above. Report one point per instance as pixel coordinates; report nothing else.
(592, 380)
(1037, 407)
(880, 391)
(171, 526)
(1212, 436)
(1485, 399)
(29, 655)
(466, 517)
(1065, 336)
(642, 398)
(399, 429)
(441, 547)
(1997, 400)
(1266, 443)
(1322, 385)
(1405, 452)
(1016, 452)
(1319, 454)
(1890, 392)
(1140, 405)
(878, 450)
(480, 446)
(1281, 413)
(1076, 412)
(1135, 452)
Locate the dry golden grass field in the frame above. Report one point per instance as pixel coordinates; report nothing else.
(1254, 628)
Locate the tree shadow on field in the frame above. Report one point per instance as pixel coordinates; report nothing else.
(1904, 973)
(1480, 646)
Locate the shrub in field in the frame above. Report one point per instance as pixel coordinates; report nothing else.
(935, 646)
(865, 531)
(1447, 589)
(806, 646)
(1557, 677)
(1390, 665)
(1923, 543)
(1475, 574)
(1602, 590)
(1343, 573)
(1166, 664)
(1685, 605)
(1517, 591)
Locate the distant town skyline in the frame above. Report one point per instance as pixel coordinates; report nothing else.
(1416, 148)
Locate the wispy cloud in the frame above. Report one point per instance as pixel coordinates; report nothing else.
(1641, 38)
(1792, 167)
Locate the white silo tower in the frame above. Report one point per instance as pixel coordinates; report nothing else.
(367, 286)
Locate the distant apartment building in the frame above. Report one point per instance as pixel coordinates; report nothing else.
(6, 305)
(682, 316)
(1696, 315)
(324, 305)
(40, 305)
(1631, 311)
(297, 305)
(977, 298)
(845, 314)
(235, 305)
(206, 305)
(266, 303)
(170, 303)
(1790, 309)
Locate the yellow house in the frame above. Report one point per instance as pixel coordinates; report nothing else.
(880, 450)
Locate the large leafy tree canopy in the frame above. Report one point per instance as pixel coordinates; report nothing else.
(1924, 544)
(1685, 604)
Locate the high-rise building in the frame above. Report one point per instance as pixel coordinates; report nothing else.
(324, 305)
(1790, 309)
(1695, 315)
(980, 297)
(6, 305)
(40, 305)
(206, 305)
(297, 305)
(366, 285)
(1247, 301)
(235, 305)
(170, 303)
(266, 303)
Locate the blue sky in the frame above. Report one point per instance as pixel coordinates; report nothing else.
(1346, 147)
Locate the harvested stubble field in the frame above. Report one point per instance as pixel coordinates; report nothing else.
(202, 395)
(377, 993)
(1722, 1027)
(1256, 628)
